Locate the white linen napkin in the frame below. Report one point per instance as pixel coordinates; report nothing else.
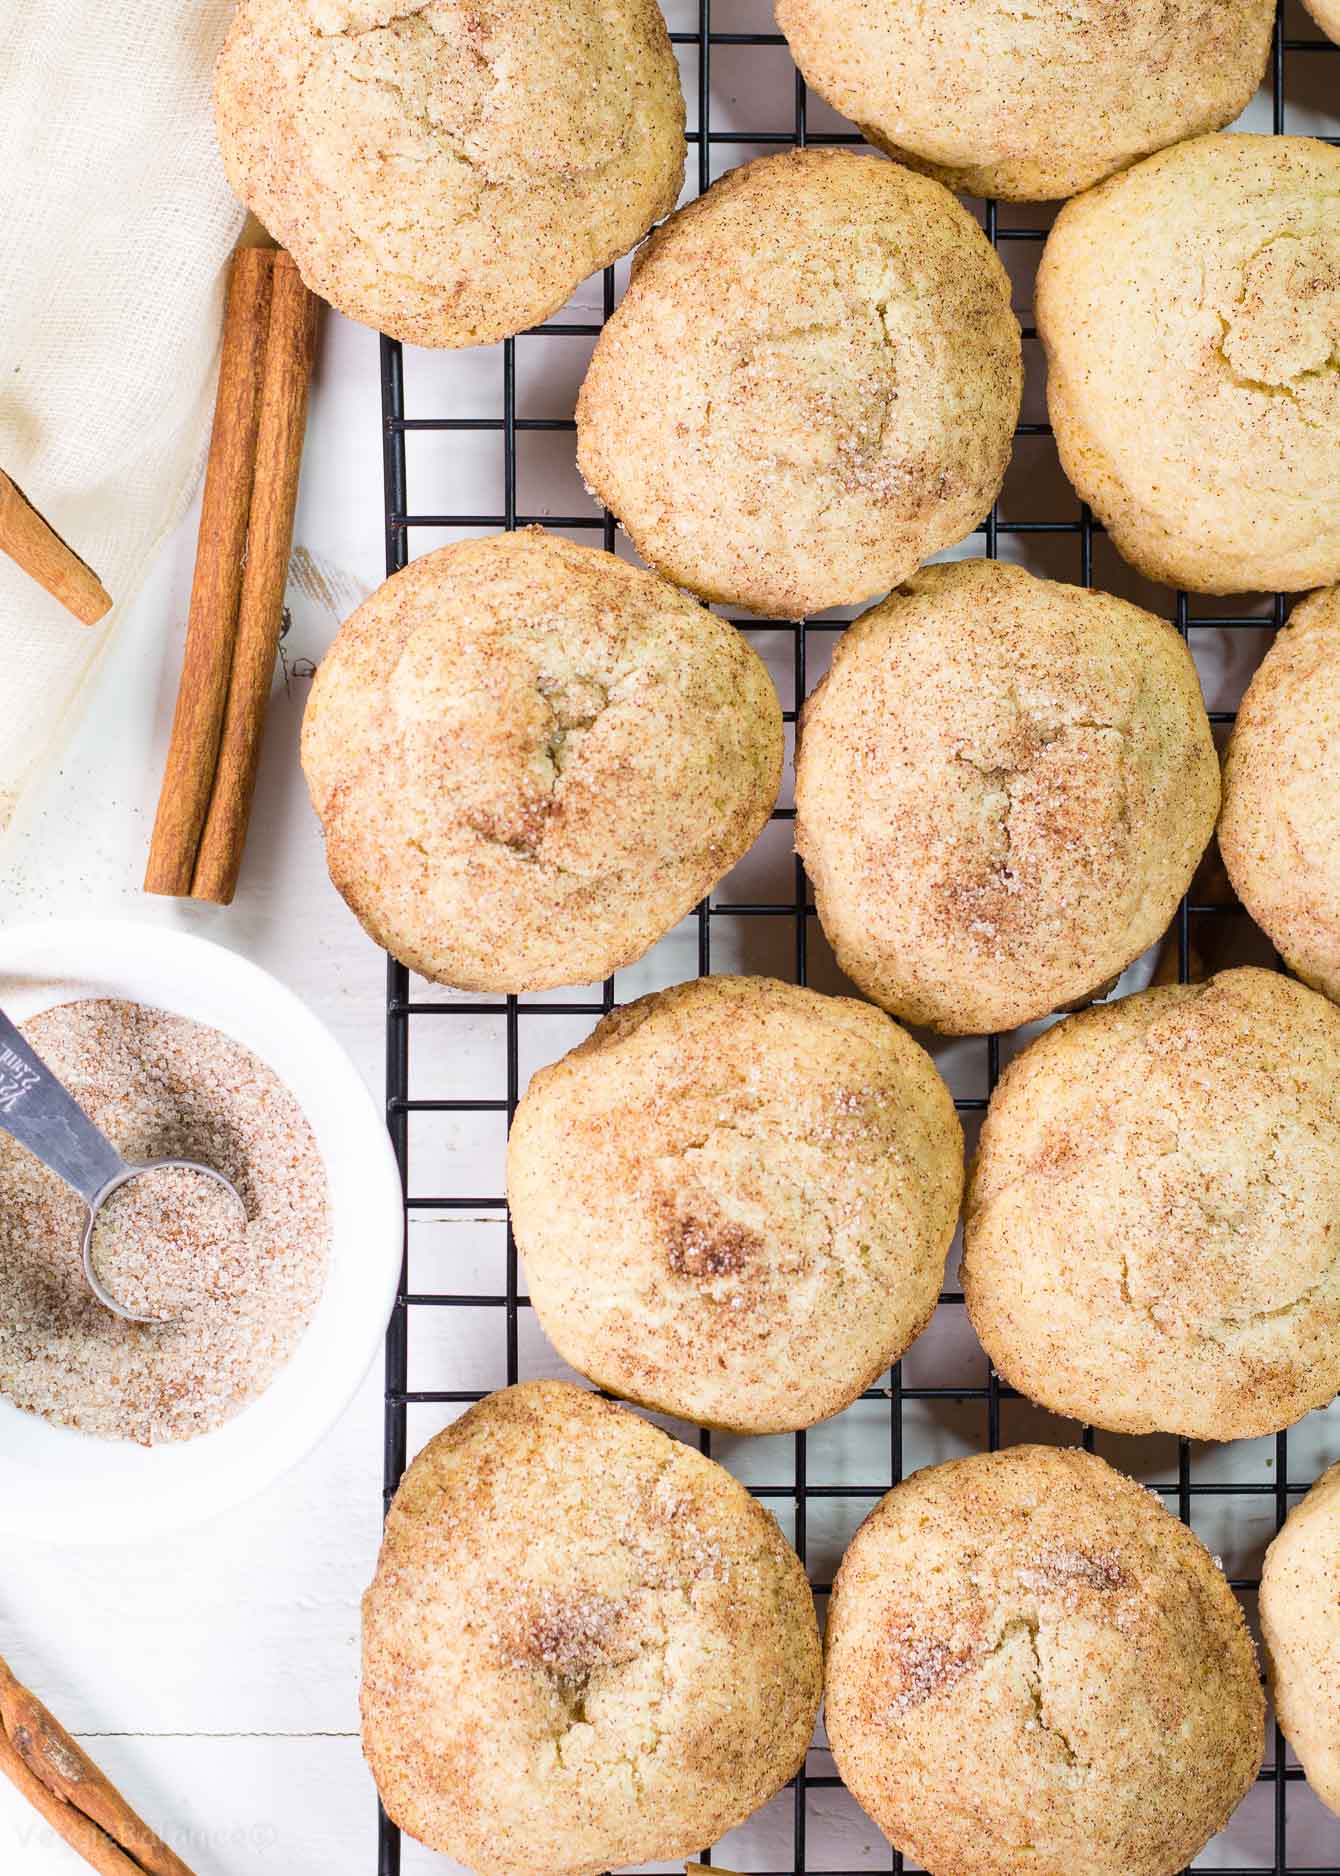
(115, 228)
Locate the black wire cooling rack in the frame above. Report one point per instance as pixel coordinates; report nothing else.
(1264, 1476)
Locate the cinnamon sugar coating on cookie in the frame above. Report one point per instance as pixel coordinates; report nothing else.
(449, 171)
(585, 1645)
(1032, 1666)
(846, 410)
(1300, 1628)
(530, 760)
(1003, 787)
(1152, 1236)
(1279, 831)
(1030, 103)
(735, 1199)
(1190, 311)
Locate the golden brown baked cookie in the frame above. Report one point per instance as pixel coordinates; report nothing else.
(1002, 789)
(845, 411)
(1035, 1670)
(1327, 15)
(735, 1199)
(1300, 1626)
(530, 760)
(1030, 103)
(1190, 310)
(585, 1644)
(449, 173)
(1152, 1240)
(1280, 828)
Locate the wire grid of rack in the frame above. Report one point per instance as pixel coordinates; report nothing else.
(1266, 1475)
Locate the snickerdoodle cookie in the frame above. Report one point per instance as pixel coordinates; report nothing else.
(449, 173)
(1030, 103)
(585, 1644)
(735, 1199)
(1002, 788)
(1152, 1239)
(530, 760)
(846, 410)
(1190, 309)
(1280, 828)
(1033, 1667)
(1300, 1626)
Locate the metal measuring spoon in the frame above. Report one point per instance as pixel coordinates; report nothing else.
(43, 1116)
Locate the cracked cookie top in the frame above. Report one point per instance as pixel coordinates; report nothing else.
(585, 1645)
(1033, 1669)
(1280, 829)
(530, 760)
(1003, 787)
(1152, 1239)
(1030, 102)
(449, 171)
(810, 386)
(734, 1200)
(1190, 310)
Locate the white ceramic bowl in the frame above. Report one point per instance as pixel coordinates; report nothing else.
(61, 1486)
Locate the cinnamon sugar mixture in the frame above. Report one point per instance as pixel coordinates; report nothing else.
(241, 1292)
(165, 1239)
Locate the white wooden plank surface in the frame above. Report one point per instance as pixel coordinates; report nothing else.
(270, 1807)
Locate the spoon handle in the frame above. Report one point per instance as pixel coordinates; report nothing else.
(42, 1116)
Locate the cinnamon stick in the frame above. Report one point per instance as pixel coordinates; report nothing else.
(40, 551)
(61, 1782)
(216, 587)
(283, 416)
